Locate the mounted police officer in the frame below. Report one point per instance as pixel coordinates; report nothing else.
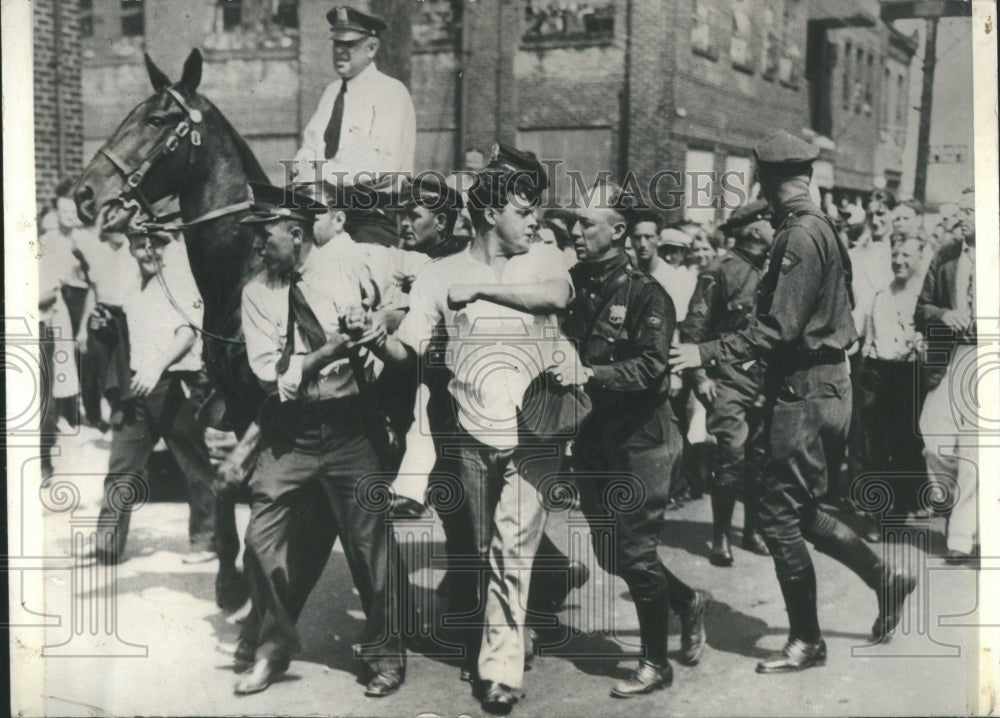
(723, 302)
(802, 326)
(623, 321)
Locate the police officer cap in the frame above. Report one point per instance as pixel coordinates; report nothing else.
(514, 170)
(269, 203)
(746, 215)
(783, 152)
(348, 24)
(432, 191)
(673, 237)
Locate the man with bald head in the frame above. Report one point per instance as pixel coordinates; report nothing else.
(622, 321)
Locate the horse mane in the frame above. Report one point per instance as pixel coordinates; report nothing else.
(251, 164)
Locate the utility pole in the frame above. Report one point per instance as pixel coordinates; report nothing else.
(926, 98)
(931, 11)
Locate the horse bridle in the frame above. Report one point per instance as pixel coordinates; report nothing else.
(131, 194)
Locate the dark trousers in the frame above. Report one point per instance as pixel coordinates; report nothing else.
(858, 438)
(891, 408)
(317, 453)
(807, 419)
(166, 413)
(49, 410)
(623, 469)
(737, 424)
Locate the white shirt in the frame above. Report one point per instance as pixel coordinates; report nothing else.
(111, 270)
(153, 319)
(393, 269)
(378, 132)
(679, 282)
(332, 282)
(890, 334)
(871, 267)
(493, 352)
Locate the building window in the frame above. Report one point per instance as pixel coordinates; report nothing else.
(702, 40)
(857, 92)
(740, 50)
(886, 97)
(248, 25)
(699, 190)
(736, 184)
(86, 18)
(132, 18)
(564, 20)
(772, 47)
(900, 100)
(437, 23)
(846, 81)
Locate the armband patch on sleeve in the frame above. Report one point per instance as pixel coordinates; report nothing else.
(654, 321)
(788, 261)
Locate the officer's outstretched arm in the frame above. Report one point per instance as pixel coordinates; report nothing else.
(797, 282)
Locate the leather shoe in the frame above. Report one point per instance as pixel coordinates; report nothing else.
(721, 555)
(754, 543)
(405, 508)
(644, 679)
(384, 684)
(795, 656)
(891, 596)
(195, 557)
(693, 628)
(259, 677)
(499, 699)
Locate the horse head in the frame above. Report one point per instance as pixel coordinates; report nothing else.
(152, 153)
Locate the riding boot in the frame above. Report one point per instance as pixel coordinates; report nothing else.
(723, 501)
(654, 615)
(752, 540)
(838, 541)
(799, 592)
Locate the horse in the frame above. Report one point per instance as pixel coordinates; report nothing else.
(177, 144)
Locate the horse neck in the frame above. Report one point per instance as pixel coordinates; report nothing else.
(219, 250)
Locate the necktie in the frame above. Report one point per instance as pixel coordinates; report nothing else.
(970, 289)
(332, 135)
(299, 312)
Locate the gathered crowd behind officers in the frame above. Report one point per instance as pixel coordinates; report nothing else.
(163, 310)
(802, 327)
(302, 318)
(622, 322)
(365, 121)
(723, 302)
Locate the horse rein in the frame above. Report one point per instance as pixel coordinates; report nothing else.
(130, 194)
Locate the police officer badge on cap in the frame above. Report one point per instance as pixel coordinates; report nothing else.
(348, 24)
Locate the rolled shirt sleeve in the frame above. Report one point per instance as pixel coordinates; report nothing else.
(260, 332)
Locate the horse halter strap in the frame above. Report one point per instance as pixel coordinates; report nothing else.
(133, 177)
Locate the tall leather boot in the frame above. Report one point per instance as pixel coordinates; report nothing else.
(752, 540)
(654, 671)
(892, 584)
(723, 502)
(805, 646)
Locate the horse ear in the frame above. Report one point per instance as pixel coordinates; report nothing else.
(156, 75)
(192, 71)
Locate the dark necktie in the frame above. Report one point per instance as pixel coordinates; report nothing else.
(332, 135)
(299, 312)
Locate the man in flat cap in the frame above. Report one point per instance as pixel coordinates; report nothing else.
(302, 318)
(365, 122)
(163, 312)
(723, 302)
(802, 327)
(492, 306)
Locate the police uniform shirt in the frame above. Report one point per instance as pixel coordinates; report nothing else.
(155, 312)
(633, 320)
(331, 283)
(377, 134)
(724, 297)
(493, 352)
(803, 303)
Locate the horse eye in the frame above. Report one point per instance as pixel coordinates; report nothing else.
(156, 120)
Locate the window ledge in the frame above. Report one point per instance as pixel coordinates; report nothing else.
(565, 41)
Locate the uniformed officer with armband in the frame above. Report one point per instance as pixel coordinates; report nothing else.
(723, 302)
(623, 321)
(802, 327)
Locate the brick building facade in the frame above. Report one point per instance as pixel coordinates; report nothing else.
(613, 85)
(58, 108)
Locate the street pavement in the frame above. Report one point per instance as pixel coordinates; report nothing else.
(147, 638)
